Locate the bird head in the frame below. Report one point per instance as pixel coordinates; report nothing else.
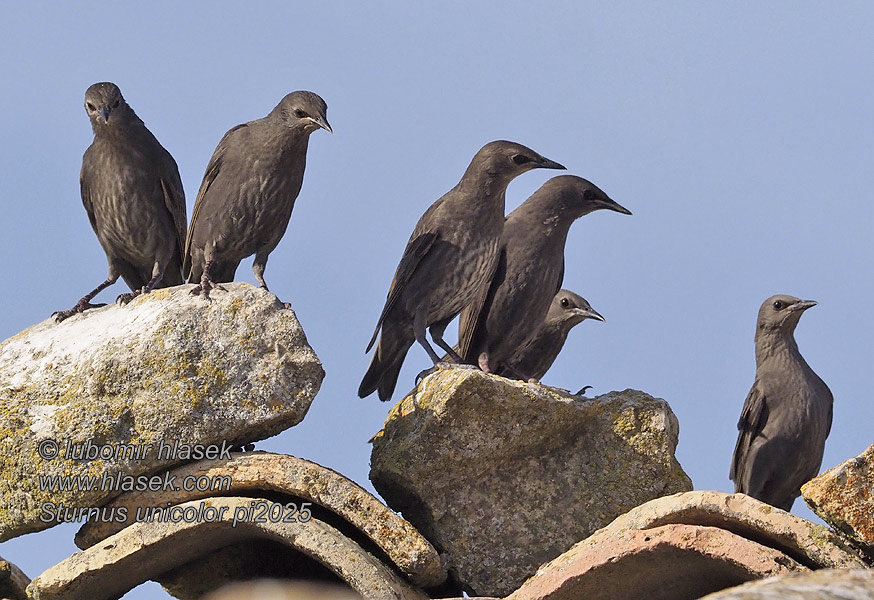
(569, 309)
(103, 103)
(579, 197)
(506, 160)
(304, 110)
(781, 313)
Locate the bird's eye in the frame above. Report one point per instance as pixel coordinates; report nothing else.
(778, 305)
(90, 106)
(299, 113)
(564, 303)
(115, 104)
(521, 159)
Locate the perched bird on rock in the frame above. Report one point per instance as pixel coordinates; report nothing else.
(530, 271)
(449, 259)
(133, 195)
(248, 192)
(787, 415)
(536, 355)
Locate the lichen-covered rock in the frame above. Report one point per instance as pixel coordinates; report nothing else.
(13, 581)
(145, 550)
(844, 498)
(827, 584)
(671, 562)
(502, 476)
(811, 544)
(167, 368)
(330, 495)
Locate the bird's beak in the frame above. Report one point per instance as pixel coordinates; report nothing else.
(589, 313)
(802, 305)
(545, 163)
(611, 205)
(104, 113)
(322, 122)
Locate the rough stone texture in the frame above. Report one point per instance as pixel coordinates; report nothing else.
(672, 562)
(145, 550)
(812, 545)
(502, 476)
(296, 480)
(844, 498)
(168, 366)
(827, 584)
(13, 581)
(283, 590)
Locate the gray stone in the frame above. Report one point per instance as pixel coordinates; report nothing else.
(827, 584)
(844, 497)
(13, 581)
(296, 480)
(168, 367)
(145, 550)
(502, 476)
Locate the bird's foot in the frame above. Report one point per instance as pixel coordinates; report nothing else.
(437, 367)
(205, 287)
(582, 392)
(125, 298)
(61, 315)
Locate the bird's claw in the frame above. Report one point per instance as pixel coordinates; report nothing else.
(583, 390)
(125, 298)
(437, 366)
(62, 315)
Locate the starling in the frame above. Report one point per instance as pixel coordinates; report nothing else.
(535, 357)
(449, 259)
(529, 273)
(248, 191)
(787, 415)
(133, 195)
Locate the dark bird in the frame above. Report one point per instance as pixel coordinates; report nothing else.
(248, 192)
(133, 195)
(450, 256)
(536, 355)
(787, 415)
(529, 273)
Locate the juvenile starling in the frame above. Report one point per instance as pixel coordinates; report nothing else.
(449, 259)
(133, 196)
(787, 415)
(529, 273)
(536, 355)
(248, 191)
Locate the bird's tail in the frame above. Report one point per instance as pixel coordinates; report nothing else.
(382, 374)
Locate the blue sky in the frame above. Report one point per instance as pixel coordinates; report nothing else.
(739, 134)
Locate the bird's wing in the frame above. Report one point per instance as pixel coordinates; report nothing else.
(85, 191)
(174, 199)
(473, 317)
(417, 248)
(560, 277)
(752, 420)
(212, 171)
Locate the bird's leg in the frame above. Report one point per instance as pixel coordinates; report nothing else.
(206, 283)
(258, 268)
(85, 302)
(419, 332)
(436, 330)
(157, 275)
